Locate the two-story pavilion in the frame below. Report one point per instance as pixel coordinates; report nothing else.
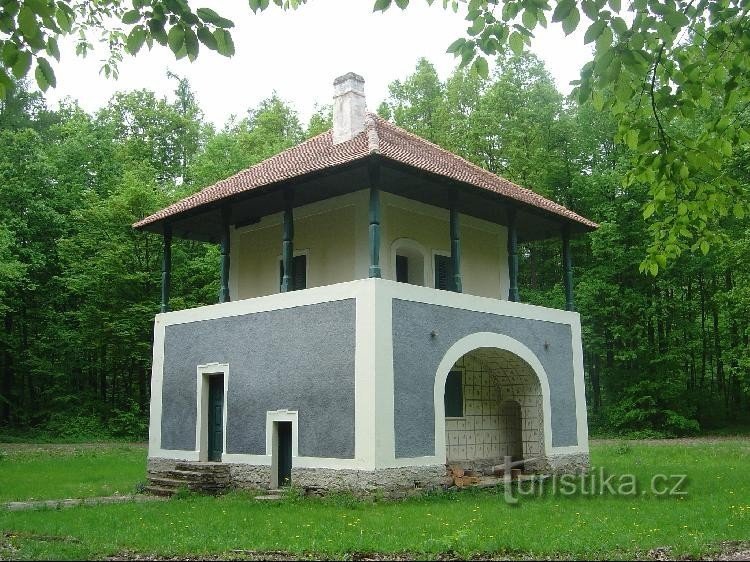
(368, 329)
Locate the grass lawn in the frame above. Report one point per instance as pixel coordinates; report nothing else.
(716, 509)
(34, 472)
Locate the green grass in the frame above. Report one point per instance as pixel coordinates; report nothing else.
(716, 509)
(34, 472)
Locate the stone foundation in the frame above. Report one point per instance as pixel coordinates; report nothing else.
(388, 481)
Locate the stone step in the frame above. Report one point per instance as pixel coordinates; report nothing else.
(196, 476)
(205, 467)
(270, 497)
(164, 482)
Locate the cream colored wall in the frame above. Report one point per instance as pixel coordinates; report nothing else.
(484, 257)
(334, 235)
(329, 232)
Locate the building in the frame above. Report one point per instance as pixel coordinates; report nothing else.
(374, 332)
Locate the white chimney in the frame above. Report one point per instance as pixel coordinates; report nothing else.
(349, 107)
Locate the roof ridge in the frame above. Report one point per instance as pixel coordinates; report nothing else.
(371, 129)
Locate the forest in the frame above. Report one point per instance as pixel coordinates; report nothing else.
(665, 354)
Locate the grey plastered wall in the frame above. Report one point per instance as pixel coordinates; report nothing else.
(416, 356)
(298, 359)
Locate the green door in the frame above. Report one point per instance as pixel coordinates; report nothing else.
(215, 417)
(284, 444)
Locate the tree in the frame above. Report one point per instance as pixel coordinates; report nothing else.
(654, 63)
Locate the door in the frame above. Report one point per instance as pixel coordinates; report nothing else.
(284, 452)
(215, 417)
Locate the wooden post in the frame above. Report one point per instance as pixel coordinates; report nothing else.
(224, 286)
(373, 171)
(287, 245)
(166, 268)
(567, 269)
(455, 249)
(512, 256)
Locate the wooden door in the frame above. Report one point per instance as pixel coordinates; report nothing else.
(215, 417)
(284, 452)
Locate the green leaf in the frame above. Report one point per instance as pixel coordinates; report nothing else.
(615, 5)
(649, 210)
(64, 20)
(22, 64)
(597, 99)
(516, 42)
(631, 139)
(456, 45)
(481, 67)
(403, 4)
(653, 268)
(381, 5)
(739, 210)
(192, 46)
(210, 16)
(52, 49)
(529, 19)
(224, 43)
(563, 9)
(45, 76)
(207, 38)
(176, 38)
(594, 31)
(570, 23)
(130, 17)
(705, 247)
(135, 39)
(28, 23)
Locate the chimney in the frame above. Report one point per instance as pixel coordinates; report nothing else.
(349, 107)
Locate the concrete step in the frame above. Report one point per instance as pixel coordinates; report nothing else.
(269, 497)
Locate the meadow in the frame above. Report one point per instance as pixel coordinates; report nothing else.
(707, 513)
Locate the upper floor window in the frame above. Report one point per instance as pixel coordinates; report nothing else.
(299, 272)
(443, 272)
(409, 262)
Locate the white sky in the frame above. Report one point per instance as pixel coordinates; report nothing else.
(299, 53)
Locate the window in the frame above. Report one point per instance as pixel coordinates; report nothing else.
(299, 272)
(443, 272)
(454, 395)
(402, 269)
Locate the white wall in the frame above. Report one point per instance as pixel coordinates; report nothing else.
(334, 235)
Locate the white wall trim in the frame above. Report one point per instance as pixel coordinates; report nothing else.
(201, 418)
(282, 416)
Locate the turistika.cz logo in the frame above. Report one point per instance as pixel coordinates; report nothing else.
(593, 482)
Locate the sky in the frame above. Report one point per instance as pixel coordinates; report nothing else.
(299, 53)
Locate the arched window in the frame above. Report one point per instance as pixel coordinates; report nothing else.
(408, 261)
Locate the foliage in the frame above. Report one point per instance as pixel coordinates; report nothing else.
(471, 523)
(665, 355)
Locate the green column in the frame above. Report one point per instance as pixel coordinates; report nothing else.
(456, 250)
(224, 287)
(287, 245)
(512, 256)
(567, 269)
(374, 214)
(166, 268)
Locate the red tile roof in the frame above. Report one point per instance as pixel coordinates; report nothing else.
(379, 137)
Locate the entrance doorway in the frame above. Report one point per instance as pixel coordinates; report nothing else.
(215, 417)
(283, 453)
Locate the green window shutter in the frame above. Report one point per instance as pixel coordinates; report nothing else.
(454, 395)
(299, 272)
(443, 272)
(402, 269)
